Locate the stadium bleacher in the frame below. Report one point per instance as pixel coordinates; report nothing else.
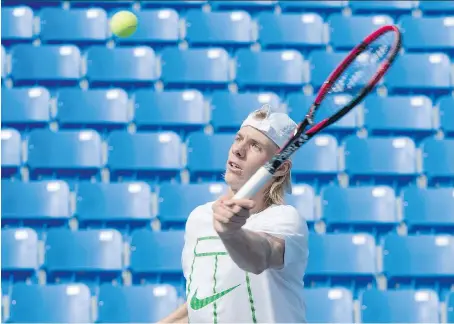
(101, 135)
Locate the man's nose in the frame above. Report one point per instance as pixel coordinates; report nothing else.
(239, 150)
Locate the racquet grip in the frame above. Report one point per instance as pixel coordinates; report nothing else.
(254, 184)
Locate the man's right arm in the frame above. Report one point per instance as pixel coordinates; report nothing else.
(178, 316)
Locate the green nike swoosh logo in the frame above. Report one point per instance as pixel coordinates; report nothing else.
(197, 303)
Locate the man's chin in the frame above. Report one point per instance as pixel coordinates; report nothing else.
(234, 181)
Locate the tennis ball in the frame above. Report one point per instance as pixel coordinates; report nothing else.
(123, 23)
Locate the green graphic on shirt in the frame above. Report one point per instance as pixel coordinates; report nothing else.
(197, 303)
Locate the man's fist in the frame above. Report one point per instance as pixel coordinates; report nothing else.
(229, 215)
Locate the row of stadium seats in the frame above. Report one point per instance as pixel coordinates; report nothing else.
(71, 303)
(324, 6)
(211, 68)
(227, 29)
(125, 206)
(345, 260)
(159, 156)
(110, 109)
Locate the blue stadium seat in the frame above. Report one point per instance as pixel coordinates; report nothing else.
(136, 304)
(64, 154)
(322, 166)
(282, 69)
(436, 7)
(156, 28)
(89, 256)
(230, 109)
(125, 66)
(341, 260)
(108, 5)
(4, 64)
(47, 64)
(36, 204)
(432, 74)
(347, 32)
(445, 105)
(299, 103)
(226, 29)
(328, 305)
(364, 160)
(11, 153)
(147, 156)
(450, 307)
(189, 196)
(208, 155)
(32, 3)
(322, 63)
(123, 206)
(419, 262)
(103, 110)
(250, 5)
(323, 6)
(277, 31)
(176, 110)
(360, 209)
(50, 304)
(428, 33)
(208, 67)
(399, 306)
(25, 108)
(177, 4)
(78, 26)
(156, 258)
(438, 157)
(429, 209)
(19, 256)
(303, 199)
(17, 25)
(399, 115)
(378, 6)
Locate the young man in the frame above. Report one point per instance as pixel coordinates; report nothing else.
(244, 260)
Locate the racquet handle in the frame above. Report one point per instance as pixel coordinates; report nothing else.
(254, 184)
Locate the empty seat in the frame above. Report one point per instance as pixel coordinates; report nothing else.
(348, 32)
(364, 160)
(435, 7)
(170, 110)
(136, 304)
(156, 258)
(103, 110)
(429, 209)
(428, 33)
(4, 64)
(189, 196)
(450, 307)
(66, 154)
(19, 256)
(250, 5)
(208, 67)
(277, 31)
(419, 262)
(125, 66)
(226, 29)
(50, 304)
(119, 205)
(50, 64)
(399, 306)
(25, 108)
(346, 260)
(80, 26)
(11, 152)
(148, 156)
(303, 199)
(17, 24)
(399, 115)
(445, 105)
(322, 63)
(328, 305)
(157, 28)
(37, 204)
(415, 72)
(270, 68)
(88, 256)
(358, 209)
(208, 154)
(438, 158)
(177, 4)
(324, 6)
(394, 6)
(230, 109)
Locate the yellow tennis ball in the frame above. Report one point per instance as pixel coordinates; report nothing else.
(123, 23)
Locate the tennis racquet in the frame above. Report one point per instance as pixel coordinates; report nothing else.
(356, 75)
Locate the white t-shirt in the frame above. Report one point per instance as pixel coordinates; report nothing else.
(218, 291)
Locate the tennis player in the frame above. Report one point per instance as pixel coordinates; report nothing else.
(244, 260)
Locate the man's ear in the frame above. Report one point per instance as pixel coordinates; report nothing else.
(283, 169)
